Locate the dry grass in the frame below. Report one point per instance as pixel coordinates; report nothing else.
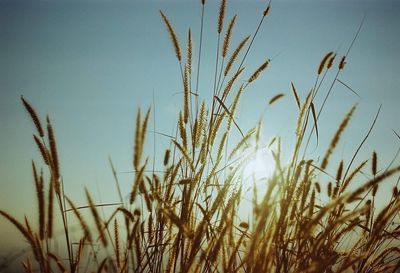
(185, 218)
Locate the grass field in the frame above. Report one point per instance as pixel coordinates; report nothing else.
(217, 202)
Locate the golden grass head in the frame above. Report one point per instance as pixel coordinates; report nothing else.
(173, 36)
(339, 171)
(235, 54)
(55, 166)
(186, 96)
(259, 70)
(337, 136)
(42, 149)
(330, 61)
(189, 52)
(228, 36)
(34, 116)
(325, 61)
(276, 98)
(182, 130)
(221, 16)
(99, 223)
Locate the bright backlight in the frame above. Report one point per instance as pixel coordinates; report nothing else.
(259, 166)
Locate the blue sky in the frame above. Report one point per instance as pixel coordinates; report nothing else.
(90, 64)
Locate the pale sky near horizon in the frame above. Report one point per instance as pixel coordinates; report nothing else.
(90, 64)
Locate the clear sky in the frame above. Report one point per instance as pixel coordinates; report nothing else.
(90, 64)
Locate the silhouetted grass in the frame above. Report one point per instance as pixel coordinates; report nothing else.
(186, 218)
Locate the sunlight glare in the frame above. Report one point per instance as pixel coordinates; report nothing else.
(260, 166)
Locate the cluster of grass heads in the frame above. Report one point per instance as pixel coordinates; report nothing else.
(186, 219)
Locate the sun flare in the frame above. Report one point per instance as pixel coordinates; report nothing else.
(259, 166)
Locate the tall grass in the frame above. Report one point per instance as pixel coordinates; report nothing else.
(185, 218)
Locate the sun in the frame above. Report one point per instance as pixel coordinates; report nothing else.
(259, 166)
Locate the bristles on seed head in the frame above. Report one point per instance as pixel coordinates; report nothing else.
(311, 204)
(81, 220)
(34, 116)
(330, 61)
(221, 15)
(230, 83)
(50, 209)
(336, 137)
(257, 73)
(228, 36)
(302, 113)
(42, 149)
(339, 171)
(24, 231)
(182, 130)
(186, 97)
(137, 144)
(172, 35)
(324, 61)
(40, 197)
(234, 55)
(53, 152)
(201, 122)
(189, 52)
(97, 219)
